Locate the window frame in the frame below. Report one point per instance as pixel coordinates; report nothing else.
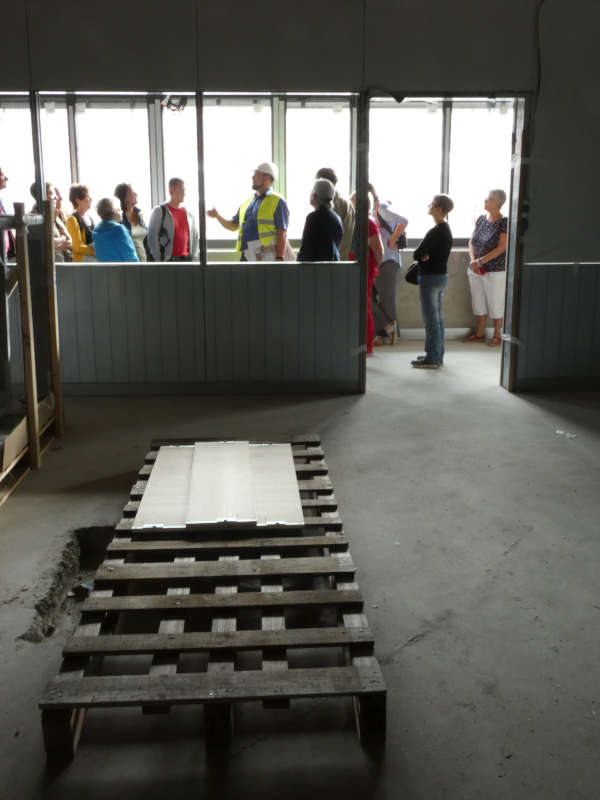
(278, 102)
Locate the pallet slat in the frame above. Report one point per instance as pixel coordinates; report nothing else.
(160, 603)
(275, 543)
(244, 568)
(192, 688)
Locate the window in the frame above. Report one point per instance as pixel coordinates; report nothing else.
(405, 158)
(480, 160)
(17, 154)
(55, 147)
(112, 144)
(181, 151)
(237, 138)
(317, 135)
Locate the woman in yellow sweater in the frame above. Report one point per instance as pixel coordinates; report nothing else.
(80, 229)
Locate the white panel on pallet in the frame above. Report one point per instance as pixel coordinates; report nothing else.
(221, 491)
(275, 486)
(164, 504)
(214, 484)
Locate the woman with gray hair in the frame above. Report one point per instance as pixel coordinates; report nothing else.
(487, 270)
(111, 241)
(323, 229)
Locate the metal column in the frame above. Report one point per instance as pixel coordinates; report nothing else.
(362, 214)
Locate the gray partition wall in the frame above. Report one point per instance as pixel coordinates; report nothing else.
(184, 328)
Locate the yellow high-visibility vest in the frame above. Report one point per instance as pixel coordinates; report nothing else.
(265, 219)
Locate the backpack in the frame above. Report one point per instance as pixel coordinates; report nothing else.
(163, 233)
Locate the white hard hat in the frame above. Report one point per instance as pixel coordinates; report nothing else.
(269, 169)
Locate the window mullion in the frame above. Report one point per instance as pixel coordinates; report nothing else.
(446, 135)
(157, 154)
(278, 106)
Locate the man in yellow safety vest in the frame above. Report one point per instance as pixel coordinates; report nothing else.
(261, 221)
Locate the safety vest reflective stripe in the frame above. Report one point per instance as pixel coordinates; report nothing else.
(265, 219)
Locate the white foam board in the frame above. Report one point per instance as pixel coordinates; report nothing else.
(221, 490)
(275, 487)
(164, 503)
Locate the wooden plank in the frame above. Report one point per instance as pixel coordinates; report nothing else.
(181, 546)
(165, 662)
(314, 468)
(162, 603)
(370, 712)
(333, 523)
(29, 367)
(306, 439)
(192, 688)
(219, 719)
(320, 483)
(245, 568)
(165, 501)
(273, 623)
(311, 453)
(53, 331)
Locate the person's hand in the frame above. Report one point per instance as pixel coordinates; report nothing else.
(475, 267)
(212, 212)
(62, 243)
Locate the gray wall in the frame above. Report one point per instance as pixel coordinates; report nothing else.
(560, 327)
(462, 47)
(176, 328)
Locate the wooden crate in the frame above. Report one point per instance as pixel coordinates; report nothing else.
(268, 616)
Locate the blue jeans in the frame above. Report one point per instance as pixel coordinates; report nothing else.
(431, 290)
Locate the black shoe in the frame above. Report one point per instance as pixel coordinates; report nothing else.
(422, 363)
(424, 358)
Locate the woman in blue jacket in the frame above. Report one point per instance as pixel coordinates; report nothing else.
(111, 241)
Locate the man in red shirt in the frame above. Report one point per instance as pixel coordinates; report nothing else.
(172, 232)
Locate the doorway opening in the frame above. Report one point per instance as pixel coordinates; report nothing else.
(464, 147)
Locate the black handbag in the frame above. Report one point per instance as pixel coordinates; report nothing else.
(412, 274)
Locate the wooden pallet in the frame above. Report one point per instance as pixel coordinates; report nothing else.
(219, 618)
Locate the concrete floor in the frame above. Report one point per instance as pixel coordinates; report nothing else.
(475, 530)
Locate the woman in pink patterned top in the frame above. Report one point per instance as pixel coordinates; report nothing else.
(487, 270)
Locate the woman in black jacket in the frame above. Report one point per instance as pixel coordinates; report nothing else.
(432, 255)
(323, 229)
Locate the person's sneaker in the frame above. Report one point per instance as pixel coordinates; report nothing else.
(424, 358)
(422, 363)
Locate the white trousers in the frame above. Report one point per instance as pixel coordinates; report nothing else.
(487, 293)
